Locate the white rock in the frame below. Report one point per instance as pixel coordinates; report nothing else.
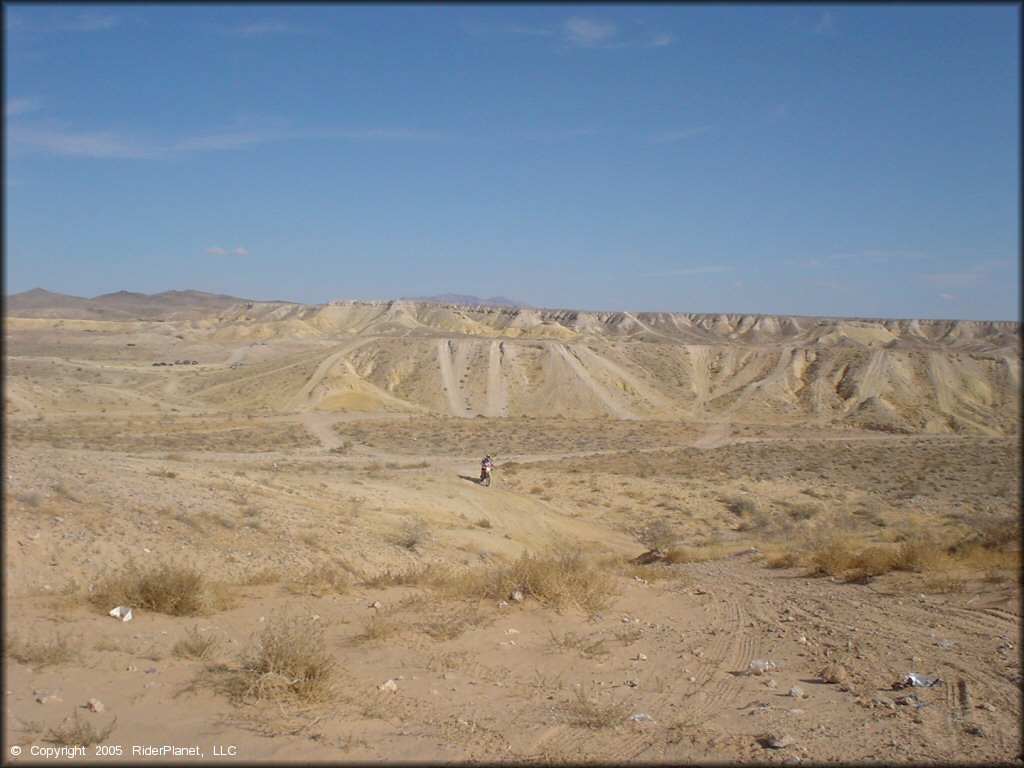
(641, 657)
(122, 612)
(797, 692)
(517, 596)
(94, 705)
(389, 685)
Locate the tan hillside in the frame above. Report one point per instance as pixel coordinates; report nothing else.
(424, 357)
(708, 538)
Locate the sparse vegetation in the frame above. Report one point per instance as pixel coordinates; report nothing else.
(559, 581)
(42, 653)
(173, 589)
(195, 645)
(287, 660)
(76, 731)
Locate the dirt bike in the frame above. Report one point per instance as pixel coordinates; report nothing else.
(485, 476)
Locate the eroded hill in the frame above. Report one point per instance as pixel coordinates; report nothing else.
(424, 357)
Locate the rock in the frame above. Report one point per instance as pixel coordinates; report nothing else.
(987, 707)
(641, 657)
(974, 730)
(797, 692)
(648, 557)
(834, 673)
(94, 705)
(633, 683)
(770, 683)
(389, 685)
(517, 596)
(792, 760)
(47, 697)
(776, 741)
(375, 605)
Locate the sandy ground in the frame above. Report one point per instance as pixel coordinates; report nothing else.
(192, 466)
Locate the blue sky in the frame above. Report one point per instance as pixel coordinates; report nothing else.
(844, 160)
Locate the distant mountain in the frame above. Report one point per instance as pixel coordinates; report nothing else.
(472, 301)
(121, 305)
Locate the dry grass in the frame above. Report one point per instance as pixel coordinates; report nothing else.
(76, 731)
(195, 645)
(587, 712)
(320, 580)
(41, 653)
(558, 581)
(587, 648)
(287, 660)
(172, 589)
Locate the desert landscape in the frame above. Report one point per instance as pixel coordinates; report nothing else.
(709, 538)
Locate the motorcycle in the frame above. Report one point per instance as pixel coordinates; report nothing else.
(485, 475)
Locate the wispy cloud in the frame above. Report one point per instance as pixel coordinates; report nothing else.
(100, 144)
(826, 26)
(21, 106)
(680, 135)
(689, 271)
(268, 28)
(118, 144)
(579, 32)
(947, 296)
(218, 250)
(90, 21)
(588, 33)
(877, 255)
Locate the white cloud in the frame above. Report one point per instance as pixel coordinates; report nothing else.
(100, 144)
(216, 250)
(241, 251)
(947, 296)
(21, 106)
(587, 33)
(660, 40)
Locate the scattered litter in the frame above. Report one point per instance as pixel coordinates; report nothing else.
(122, 612)
(760, 666)
(914, 680)
(640, 717)
(150, 671)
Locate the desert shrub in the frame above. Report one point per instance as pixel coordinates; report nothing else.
(558, 581)
(77, 731)
(195, 645)
(918, 553)
(740, 505)
(287, 660)
(584, 646)
(588, 712)
(413, 534)
(320, 579)
(41, 653)
(657, 535)
(172, 589)
(787, 559)
(416, 574)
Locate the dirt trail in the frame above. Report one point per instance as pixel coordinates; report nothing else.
(580, 370)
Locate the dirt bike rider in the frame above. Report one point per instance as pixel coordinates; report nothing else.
(486, 466)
